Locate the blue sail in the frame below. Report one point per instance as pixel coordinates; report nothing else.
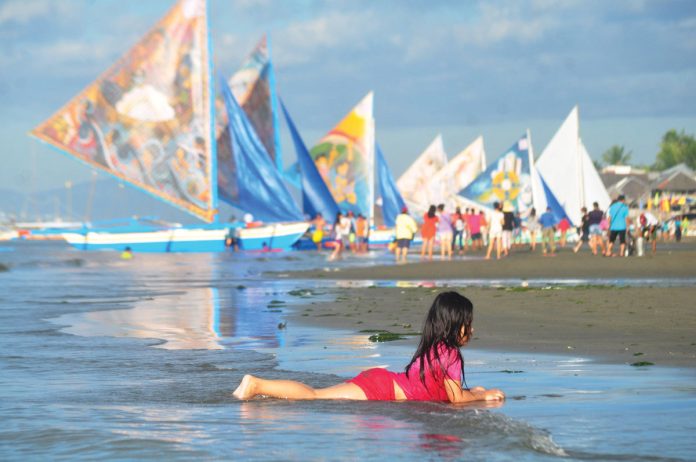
(316, 197)
(293, 175)
(551, 202)
(392, 202)
(261, 189)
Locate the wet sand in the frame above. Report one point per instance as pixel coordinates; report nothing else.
(604, 322)
(522, 264)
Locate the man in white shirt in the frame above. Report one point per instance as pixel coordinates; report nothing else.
(406, 228)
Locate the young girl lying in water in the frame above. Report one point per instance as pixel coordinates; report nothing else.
(434, 373)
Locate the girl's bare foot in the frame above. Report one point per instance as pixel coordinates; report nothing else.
(245, 390)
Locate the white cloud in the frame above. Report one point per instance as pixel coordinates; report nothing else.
(299, 42)
(23, 11)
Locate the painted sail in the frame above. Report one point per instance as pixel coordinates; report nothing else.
(345, 159)
(390, 197)
(459, 172)
(253, 86)
(562, 167)
(316, 197)
(148, 119)
(260, 186)
(508, 178)
(415, 184)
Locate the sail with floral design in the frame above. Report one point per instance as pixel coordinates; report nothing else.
(508, 178)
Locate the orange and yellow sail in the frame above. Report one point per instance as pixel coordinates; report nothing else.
(345, 157)
(148, 119)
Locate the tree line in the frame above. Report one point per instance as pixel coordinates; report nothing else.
(675, 148)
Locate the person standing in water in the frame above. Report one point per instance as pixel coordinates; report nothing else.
(435, 373)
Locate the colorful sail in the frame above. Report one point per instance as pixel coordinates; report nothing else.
(459, 173)
(508, 178)
(390, 197)
(148, 119)
(316, 197)
(345, 159)
(415, 184)
(253, 86)
(260, 186)
(568, 171)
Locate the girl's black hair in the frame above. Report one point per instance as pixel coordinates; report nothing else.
(431, 211)
(443, 325)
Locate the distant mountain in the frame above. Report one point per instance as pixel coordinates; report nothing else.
(110, 200)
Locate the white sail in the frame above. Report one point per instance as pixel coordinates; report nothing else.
(593, 186)
(568, 171)
(458, 173)
(415, 183)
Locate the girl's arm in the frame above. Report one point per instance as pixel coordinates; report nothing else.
(456, 394)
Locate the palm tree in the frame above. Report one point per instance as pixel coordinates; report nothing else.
(616, 155)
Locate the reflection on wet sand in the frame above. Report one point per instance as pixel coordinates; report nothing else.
(186, 320)
(199, 318)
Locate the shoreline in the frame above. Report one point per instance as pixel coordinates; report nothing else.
(611, 323)
(585, 321)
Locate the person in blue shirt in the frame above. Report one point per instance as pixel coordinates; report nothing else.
(548, 231)
(618, 223)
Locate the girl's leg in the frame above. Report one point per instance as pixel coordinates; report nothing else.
(288, 389)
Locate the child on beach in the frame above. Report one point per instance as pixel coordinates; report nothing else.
(435, 372)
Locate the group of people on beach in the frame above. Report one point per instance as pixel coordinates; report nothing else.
(348, 232)
(618, 231)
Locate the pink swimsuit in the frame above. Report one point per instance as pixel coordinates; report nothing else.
(378, 384)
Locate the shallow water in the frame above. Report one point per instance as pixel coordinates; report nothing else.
(109, 359)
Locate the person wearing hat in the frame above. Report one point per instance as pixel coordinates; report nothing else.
(618, 223)
(405, 228)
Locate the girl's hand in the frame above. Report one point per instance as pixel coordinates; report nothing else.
(493, 395)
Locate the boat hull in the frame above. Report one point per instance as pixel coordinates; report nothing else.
(272, 237)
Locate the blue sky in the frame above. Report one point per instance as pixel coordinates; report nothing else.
(462, 68)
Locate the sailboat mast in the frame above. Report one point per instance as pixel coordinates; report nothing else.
(213, 143)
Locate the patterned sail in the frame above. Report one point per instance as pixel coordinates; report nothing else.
(345, 159)
(459, 172)
(415, 184)
(148, 119)
(253, 86)
(508, 178)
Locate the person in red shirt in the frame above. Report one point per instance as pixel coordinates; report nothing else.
(428, 231)
(435, 373)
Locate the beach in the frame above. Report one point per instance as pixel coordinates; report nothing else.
(605, 319)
